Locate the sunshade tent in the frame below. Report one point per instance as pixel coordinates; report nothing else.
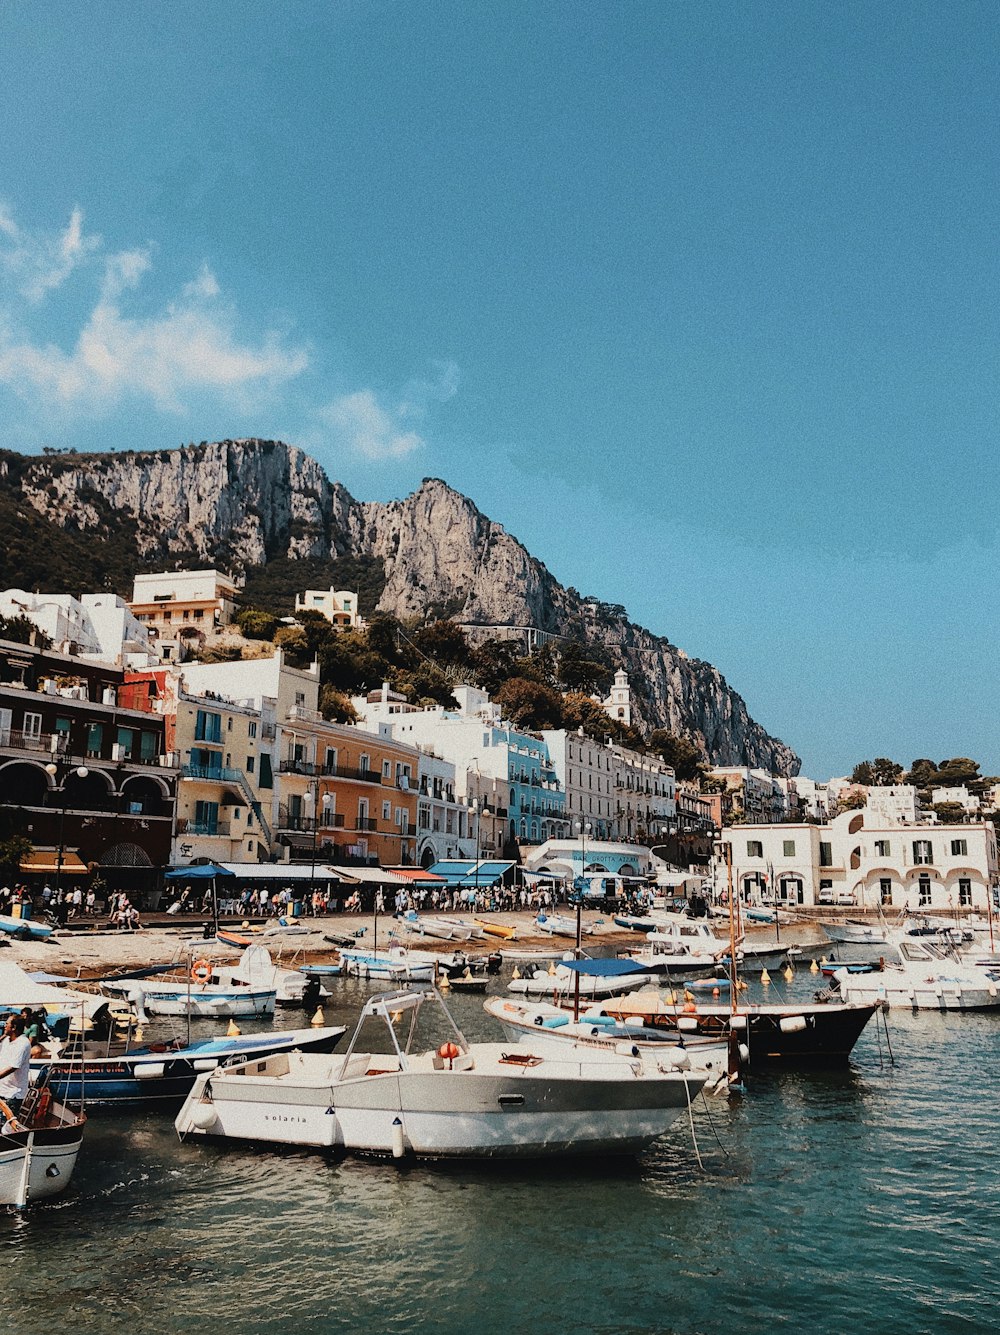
(202, 871)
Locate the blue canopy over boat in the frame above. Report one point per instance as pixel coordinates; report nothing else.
(605, 968)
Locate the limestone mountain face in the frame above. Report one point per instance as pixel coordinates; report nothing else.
(243, 503)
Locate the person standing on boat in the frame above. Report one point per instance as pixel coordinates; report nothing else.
(15, 1063)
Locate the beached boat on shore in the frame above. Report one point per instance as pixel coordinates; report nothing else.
(462, 1100)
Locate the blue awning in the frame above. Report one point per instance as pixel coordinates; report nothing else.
(605, 968)
(464, 875)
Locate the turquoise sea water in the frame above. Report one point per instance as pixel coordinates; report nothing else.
(863, 1199)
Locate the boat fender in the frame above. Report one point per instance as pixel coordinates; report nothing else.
(737, 1021)
(149, 1070)
(398, 1148)
(204, 1116)
(201, 971)
(744, 1052)
(792, 1024)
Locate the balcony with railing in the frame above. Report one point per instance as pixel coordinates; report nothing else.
(301, 821)
(210, 828)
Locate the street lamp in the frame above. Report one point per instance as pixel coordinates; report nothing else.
(481, 808)
(81, 772)
(309, 798)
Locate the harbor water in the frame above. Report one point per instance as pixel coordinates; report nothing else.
(864, 1198)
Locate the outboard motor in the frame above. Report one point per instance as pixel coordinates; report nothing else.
(310, 995)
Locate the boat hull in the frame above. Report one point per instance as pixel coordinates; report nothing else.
(773, 1034)
(553, 1108)
(155, 1080)
(38, 1164)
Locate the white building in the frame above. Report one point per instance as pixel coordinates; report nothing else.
(897, 804)
(586, 769)
(755, 794)
(619, 703)
(645, 795)
(446, 826)
(864, 859)
(339, 606)
(96, 626)
(183, 607)
(959, 796)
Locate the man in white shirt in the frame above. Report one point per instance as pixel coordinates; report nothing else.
(15, 1060)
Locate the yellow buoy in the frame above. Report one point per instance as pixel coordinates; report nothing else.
(765, 977)
(516, 973)
(318, 1019)
(789, 973)
(444, 982)
(234, 1030)
(671, 998)
(137, 1036)
(814, 967)
(688, 996)
(468, 972)
(740, 985)
(397, 1016)
(552, 966)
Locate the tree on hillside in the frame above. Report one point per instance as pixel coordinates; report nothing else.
(960, 772)
(681, 754)
(21, 630)
(256, 624)
(335, 706)
(922, 774)
(530, 704)
(493, 664)
(880, 773)
(444, 642)
(585, 667)
(950, 813)
(580, 711)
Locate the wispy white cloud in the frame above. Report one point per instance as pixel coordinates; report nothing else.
(375, 431)
(38, 263)
(189, 346)
(368, 428)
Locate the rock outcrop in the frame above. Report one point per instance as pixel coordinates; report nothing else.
(246, 502)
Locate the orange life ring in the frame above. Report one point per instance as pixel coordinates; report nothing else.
(201, 971)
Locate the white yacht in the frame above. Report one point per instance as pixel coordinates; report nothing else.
(478, 1100)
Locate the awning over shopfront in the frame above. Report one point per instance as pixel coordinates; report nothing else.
(373, 876)
(467, 875)
(45, 863)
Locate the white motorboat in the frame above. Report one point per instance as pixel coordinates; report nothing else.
(480, 1100)
(38, 1148)
(256, 969)
(589, 978)
(203, 991)
(395, 963)
(929, 976)
(695, 933)
(550, 1028)
(853, 932)
(440, 928)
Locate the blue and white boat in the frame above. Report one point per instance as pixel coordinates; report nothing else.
(396, 963)
(109, 1073)
(25, 928)
(198, 992)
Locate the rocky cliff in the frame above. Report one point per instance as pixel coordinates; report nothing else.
(244, 503)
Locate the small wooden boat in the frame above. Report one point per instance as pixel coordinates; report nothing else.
(38, 1148)
(472, 985)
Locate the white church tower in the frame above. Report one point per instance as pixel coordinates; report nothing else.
(619, 702)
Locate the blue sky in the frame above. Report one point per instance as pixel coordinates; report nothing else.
(698, 300)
